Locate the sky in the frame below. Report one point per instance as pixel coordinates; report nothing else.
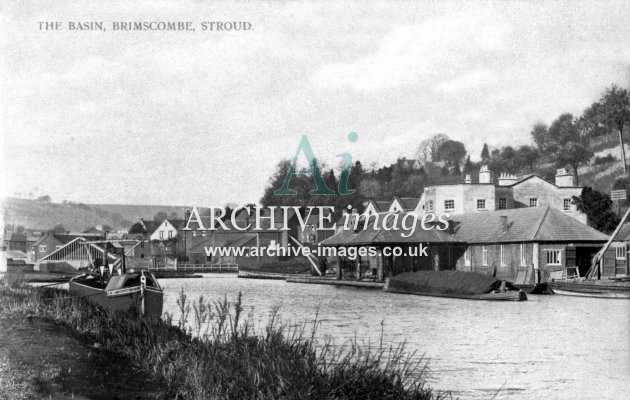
(203, 118)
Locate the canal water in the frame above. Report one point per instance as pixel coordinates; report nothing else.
(547, 347)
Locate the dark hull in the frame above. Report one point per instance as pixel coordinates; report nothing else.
(511, 295)
(125, 301)
(591, 289)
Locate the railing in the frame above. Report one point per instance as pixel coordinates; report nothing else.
(196, 267)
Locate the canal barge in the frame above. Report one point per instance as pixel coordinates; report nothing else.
(112, 286)
(455, 284)
(136, 290)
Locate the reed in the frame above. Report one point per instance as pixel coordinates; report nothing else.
(218, 355)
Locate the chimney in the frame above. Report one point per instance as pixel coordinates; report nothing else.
(564, 178)
(503, 223)
(484, 174)
(467, 180)
(507, 179)
(187, 215)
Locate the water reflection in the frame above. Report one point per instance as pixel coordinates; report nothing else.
(549, 346)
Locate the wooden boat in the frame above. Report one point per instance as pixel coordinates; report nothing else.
(571, 284)
(116, 289)
(134, 290)
(456, 284)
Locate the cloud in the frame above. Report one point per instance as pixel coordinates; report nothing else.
(206, 117)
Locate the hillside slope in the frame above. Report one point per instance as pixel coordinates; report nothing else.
(78, 217)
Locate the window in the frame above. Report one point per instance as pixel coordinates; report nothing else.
(430, 206)
(161, 234)
(42, 248)
(502, 203)
(620, 252)
(142, 245)
(481, 204)
(523, 255)
(449, 205)
(533, 202)
(554, 257)
(567, 204)
(467, 257)
(484, 255)
(170, 234)
(503, 257)
(194, 233)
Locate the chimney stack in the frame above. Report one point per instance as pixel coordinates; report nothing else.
(503, 222)
(467, 180)
(484, 175)
(507, 179)
(564, 178)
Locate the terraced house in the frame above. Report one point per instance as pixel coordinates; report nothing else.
(508, 193)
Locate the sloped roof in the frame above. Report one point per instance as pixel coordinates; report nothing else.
(150, 225)
(409, 203)
(382, 206)
(624, 233)
(177, 223)
(535, 224)
(15, 237)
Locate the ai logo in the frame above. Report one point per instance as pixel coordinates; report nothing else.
(315, 171)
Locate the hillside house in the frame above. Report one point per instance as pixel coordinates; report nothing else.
(508, 193)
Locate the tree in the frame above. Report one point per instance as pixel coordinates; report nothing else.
(91, 229)
(590, 123)
(598, 209)
(159, 217)
(45, 198)
(452, 152)
(428, 148)
(173, 215)
(485, 153)
(468, 166)
(564, 129)
(528, 156)
(106, 228)
(539, 135)
(615, 112)
(59, 229)
(573, 154)
(137, 228)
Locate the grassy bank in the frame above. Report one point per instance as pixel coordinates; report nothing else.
(212, 352)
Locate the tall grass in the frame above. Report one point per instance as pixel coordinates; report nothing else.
(217, 355)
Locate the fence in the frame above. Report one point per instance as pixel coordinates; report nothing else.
(196, 267)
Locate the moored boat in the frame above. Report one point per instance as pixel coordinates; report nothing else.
(456, 284)
(137, 290)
